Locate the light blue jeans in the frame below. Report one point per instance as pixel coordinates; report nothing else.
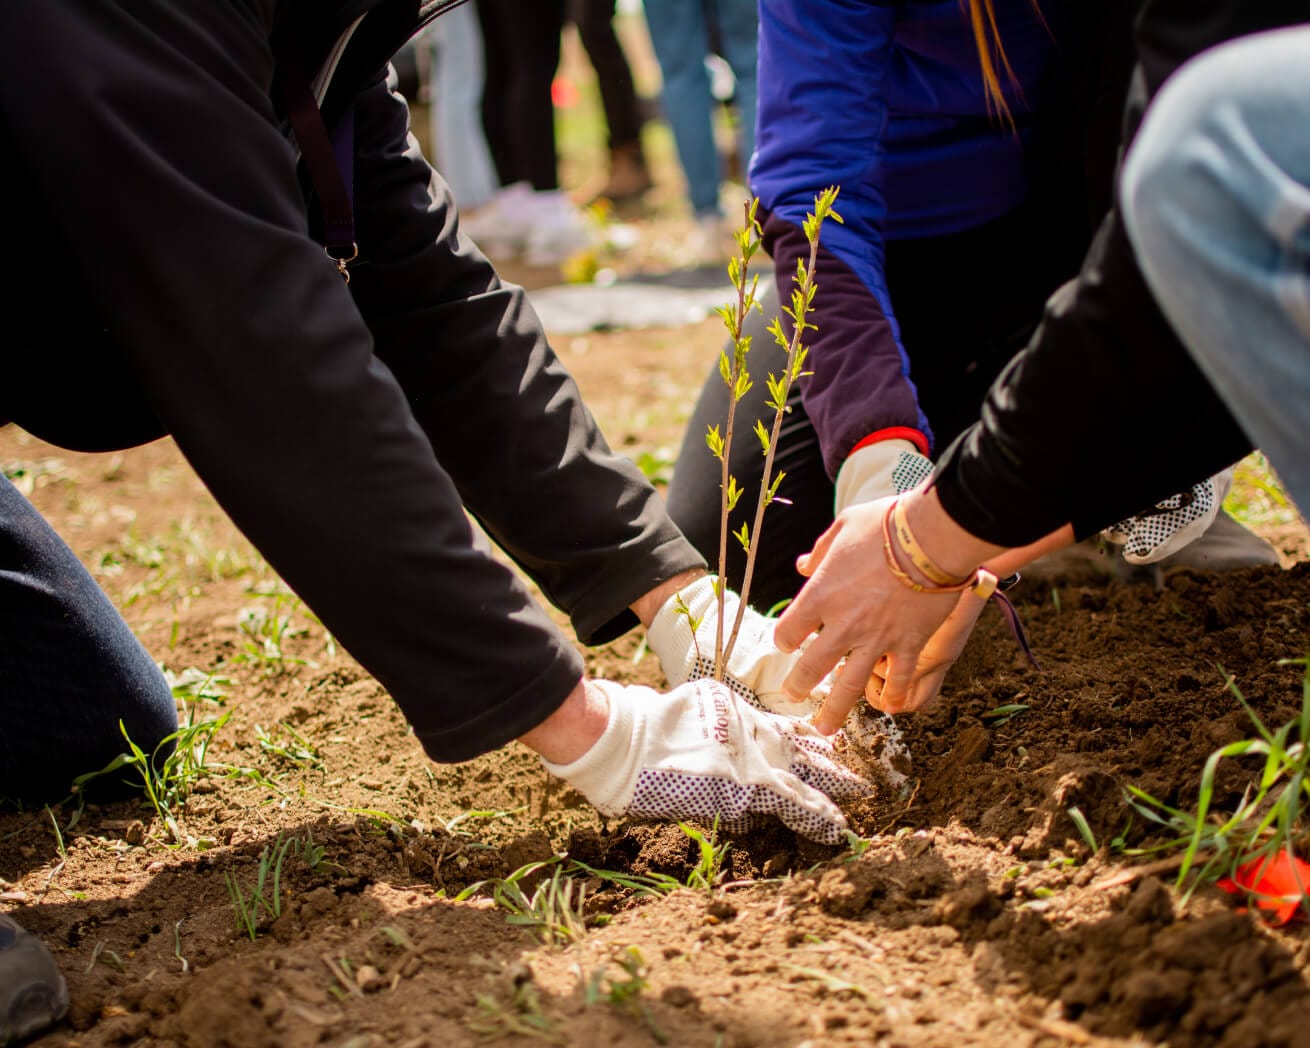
(681, 42)
(458, 143)
(1216, 199)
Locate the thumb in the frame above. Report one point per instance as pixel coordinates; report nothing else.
(808, 563)
(803, 809)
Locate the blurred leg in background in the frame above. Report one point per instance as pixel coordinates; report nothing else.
(679, 37)
(457, 75)
(628, 174)
(531, 214)
(680, 32)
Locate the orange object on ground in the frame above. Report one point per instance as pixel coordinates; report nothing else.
(1280, 886)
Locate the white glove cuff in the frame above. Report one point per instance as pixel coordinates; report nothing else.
(607, 773)
(886, 467)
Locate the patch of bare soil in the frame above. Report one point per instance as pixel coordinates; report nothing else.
(977, 914)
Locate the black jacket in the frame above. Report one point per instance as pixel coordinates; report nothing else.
(168, 282)
(1104, 412)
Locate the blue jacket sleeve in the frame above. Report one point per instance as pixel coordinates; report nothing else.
(823, 118)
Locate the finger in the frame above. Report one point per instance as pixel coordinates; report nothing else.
(899, 678)
(803, 615)
(847, 690)
(808, 563)
(877, 679)
(923, 692)
(795, 624)
(813, 665)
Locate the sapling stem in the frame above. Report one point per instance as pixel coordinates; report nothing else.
(737, 379)
(802, 304)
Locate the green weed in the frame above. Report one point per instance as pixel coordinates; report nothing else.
(708, 871)
(655, 884)
(831, 983)
(1271, 816)
(285, 742)
(266, 895)
(1083, 827)
(167, 775)
(625, 992)
(554, 909)
(267, 630)
(522, 1017)
(1004, 714)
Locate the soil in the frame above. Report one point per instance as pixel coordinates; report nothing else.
(976, 914)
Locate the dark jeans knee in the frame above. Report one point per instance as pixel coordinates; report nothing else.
(71, 670)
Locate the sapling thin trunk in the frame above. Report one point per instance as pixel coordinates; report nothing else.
(737, 378)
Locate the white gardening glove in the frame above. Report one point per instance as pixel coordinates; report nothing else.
(888, 467)
(1170, 525)
(756, 668)
(701, 753)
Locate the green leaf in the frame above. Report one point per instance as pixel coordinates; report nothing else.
(743, 535)
(729, 317)
(779, 336)
(761, 432)
(734, 493)
(714, 440)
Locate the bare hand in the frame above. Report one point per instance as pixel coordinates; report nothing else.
(861, 612)
(937, 656)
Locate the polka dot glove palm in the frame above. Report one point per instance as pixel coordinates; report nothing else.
(700, 752)
(684, 644)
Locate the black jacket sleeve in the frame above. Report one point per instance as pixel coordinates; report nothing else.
(504, 417)
(1104, 412)
(149, 132)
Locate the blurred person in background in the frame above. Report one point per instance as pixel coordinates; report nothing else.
(629, 176)
(455, 88)
(680, 35)
(530, 214)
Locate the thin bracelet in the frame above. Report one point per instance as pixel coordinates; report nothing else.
(982, 583)
(920, 559)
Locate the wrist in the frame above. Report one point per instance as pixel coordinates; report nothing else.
(950, 546)
(574, 728)
(647, 606)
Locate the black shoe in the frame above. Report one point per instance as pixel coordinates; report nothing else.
(33, 994)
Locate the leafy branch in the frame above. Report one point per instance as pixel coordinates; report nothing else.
(736, 376)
